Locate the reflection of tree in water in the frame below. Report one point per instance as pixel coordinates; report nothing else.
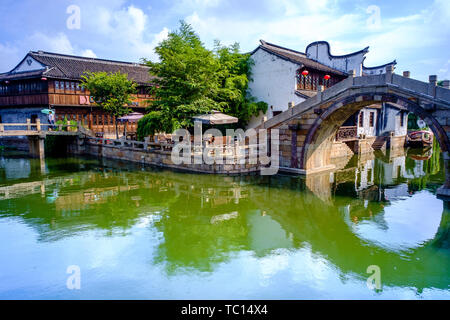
(198, 237)
(327, 230)
(204, 220)
(432, 168)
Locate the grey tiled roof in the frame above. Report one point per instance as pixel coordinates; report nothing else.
(72, 67)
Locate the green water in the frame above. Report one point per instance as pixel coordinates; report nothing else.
(138, 232)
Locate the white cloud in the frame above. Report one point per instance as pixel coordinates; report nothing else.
(58, 43)
(127, 30)
(410, 18)
(88, 53)
(294, 31)
(11, 56)
(305, 7)
(404, 38)
(119, 30)
(444, 72)
(55, 43)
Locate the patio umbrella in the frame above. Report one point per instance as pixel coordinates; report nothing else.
(215, 117)
(47, 111)
(132, 117)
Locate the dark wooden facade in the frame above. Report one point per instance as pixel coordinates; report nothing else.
(316, 78)
(65, 94)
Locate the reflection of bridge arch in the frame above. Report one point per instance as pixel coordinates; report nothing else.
(420, 267)
(308, 129)
(320, 137)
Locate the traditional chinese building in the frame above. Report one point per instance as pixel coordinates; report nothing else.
(284, 77)
(49, 80)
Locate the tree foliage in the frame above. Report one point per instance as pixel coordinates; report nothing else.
(111, 91)
(192, 80)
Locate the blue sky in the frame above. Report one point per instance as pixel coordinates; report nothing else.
(415, 32)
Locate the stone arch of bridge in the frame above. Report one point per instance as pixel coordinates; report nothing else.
(316, 151)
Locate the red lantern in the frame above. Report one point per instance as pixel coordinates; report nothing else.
(305, 72)
(327, 77)
(44, 79)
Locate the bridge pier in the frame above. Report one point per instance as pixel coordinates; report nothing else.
(444, 191)
(36, 147)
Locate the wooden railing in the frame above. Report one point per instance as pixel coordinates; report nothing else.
(347, 133)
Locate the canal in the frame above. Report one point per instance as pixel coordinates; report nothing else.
(137, 232)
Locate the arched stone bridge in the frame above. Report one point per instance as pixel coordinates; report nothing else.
(307, 130)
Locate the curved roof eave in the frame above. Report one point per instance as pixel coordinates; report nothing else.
(365, 50)
(380, 66)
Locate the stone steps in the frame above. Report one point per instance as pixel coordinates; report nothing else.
(380, 143)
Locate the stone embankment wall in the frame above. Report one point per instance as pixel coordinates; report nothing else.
(140, 152)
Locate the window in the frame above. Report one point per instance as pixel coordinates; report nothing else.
(67, 85)
(78, 86)
(372, 119)
(72, 86)
(57, 85)
(361, 119)
(402, 119)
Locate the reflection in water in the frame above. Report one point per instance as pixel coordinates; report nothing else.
(146, 233)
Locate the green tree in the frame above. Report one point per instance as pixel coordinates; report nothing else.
(192, 80)
(111, 91)
(234, 77)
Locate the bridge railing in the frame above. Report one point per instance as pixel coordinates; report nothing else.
(37, 127)
(233, 150)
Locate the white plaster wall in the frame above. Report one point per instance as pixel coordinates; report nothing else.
(366, 129)
(392, 117)
(375, 71)
(256, 121)
(274, 82)
(320, 52)
(399, 130)
(29, 64)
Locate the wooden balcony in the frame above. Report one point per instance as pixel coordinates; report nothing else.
(347, 133)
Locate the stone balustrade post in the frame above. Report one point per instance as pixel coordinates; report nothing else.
(389, 73)
(446, 84)
(38, 124)
(433, 80)
(432, 85)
